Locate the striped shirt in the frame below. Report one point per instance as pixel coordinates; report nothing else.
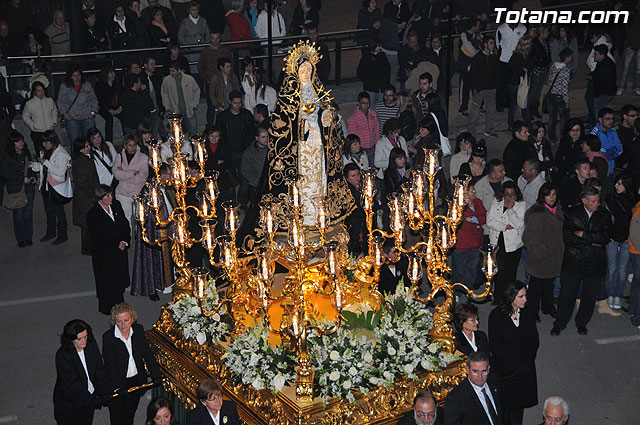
(385, 112)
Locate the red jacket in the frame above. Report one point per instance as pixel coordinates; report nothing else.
(470, 234)
(239, 26)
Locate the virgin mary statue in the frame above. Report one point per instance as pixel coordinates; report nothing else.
(303, 144)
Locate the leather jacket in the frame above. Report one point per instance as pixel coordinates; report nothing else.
(586, 255)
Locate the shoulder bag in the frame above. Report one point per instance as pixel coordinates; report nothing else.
(545, 99)
(62, 118)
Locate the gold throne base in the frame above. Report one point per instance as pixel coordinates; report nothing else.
(185, 363)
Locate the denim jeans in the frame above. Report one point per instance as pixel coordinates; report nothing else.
(589, 99)
(629, 54)
(535, 89)
(600, 102)
(618, 259)
(23, 217)
(79, 128)
(634, 304)
(556, 107)
(489, 99)
(513, 106)
(465, 266)
(157, 126)
(190, 124)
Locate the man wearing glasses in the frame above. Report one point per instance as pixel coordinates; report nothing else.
(625, 128)
(214, 410)
(425, 411)
(611, 146)
(555, 411)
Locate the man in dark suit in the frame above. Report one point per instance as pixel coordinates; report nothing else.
(393, 270)
(213, 410)
(425, 411)
(476, 400)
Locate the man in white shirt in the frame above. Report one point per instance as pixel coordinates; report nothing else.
(530, 181)
(476, 400)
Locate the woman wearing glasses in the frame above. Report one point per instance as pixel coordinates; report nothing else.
(213, 410)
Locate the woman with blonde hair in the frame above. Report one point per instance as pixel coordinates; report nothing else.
(407, 117)
(520, 67)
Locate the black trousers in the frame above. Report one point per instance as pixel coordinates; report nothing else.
(36, 137)
(540, 292)
(56, 217)
(122, 410)
(508, 263)
(569, 286)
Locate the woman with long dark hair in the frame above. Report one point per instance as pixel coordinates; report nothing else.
(108, 92)
(18, 177)
(545, 247)
(160, 411)
(514, 342)
(476, 167)
(352, 152)
(569, 150)
(77, 103)
(261, 92)
(397, 173)
(103, 153)
(53, 165)
(81, 383)
(110, 236)
(464, 147)
(620, 203)
(505, 220)
(519, 65)
(540, 147)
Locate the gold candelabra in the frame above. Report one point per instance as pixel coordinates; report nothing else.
(313, 259)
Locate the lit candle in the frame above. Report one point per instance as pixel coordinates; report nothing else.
(322, 218)
(444, 237)
(207, 238)
(294, 235)
(432, 165)
(232, 222)
(454, 212)
(294, 324)
(461, 195)
(419, 184)
(415, 269)
(181, 237)
(176, 132)
(204, 208)
(338, 297)
(155, 197)
(183, 172)
(227, 256)
(155, 157)
(378, 256)
(489, 265)
(295, 195)
(411, 203)
(211, 188)
(200, 287)
(141, 212)
(201, 153)
(369, 188)
(332, 262)
(269, 222)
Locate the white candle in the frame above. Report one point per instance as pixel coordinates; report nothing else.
(176, 132)
(338, 296)
(200, 287)
(489, 265)
(294, 232)
(296, 196)
(332, 262)
(269, 222)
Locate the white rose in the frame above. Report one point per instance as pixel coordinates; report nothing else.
(368, 357)
(416, 349)
(257, 383)
(201, 338)
(334, 355)
(216, 317)
(391, 350)
(278, 382)
(410, 333)
(433, 348)
(387, 375)
(346, 384)
(334, 376)
(426, 364)
(408, 368)
(353, 371)
(195, 311)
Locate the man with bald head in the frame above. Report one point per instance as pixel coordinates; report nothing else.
(425, 411)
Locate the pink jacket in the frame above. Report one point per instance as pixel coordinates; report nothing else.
(366, 127)
(130, 183)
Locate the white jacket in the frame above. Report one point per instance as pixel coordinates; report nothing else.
(57, 165)
(166, 152)
(507, 40)
(362, 162)
(591, 62)
(278, 27)
(251, 99)
(383, 149)
(40, 115)
(485, 193)
(190, 90)
(498, 219)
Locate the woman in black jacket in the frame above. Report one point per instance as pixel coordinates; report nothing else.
(305, 13)
(569, 150)
(374, 71)
(520, 66)
(17, 175)
(514, 342)
(121, 30)
(74, 396)
(125, 341)
(540, 58)
(108, 92)
(468, 338)
(620, 204)
(110, 236)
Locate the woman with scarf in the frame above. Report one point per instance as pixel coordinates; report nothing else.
(543, 240)
(569, 150)
(159, 34)
(352, 152)
(540, 147)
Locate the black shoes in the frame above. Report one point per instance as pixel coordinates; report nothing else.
(555, 331)
(29, 242)
(60, 240)
(582, 330)
(22, 244)
(47, 237)
(154, 297)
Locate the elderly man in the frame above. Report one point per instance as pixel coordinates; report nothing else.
(425, 411)
(59, 34)
(555, 411)
(489, 185)
(585, 232)
(476, 400)
(530, 181)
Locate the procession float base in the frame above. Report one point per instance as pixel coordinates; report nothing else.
(185, 363)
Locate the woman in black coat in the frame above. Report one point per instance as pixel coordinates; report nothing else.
(513, 339)
(85, 178)
(110, 236)
(124, 341)
(74, 397)
(468, 338)
(374, 71)
(209, 393)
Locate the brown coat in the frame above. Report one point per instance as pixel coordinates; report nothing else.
(216, 91)
(543, 240)
(208, 62)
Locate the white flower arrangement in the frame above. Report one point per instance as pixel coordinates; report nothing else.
(188, 315)
(403, 344)
(342, 362)
(254, 362)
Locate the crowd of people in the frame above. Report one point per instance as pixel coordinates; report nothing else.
(561, 199)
